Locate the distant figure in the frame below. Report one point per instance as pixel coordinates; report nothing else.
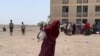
(95, 28)
(82, 30)
(69, 28)
(23, 28)
(78, 29)
(62, 27)
(65, 28)
(87, 28)
(41, 26)
(49, 41)
(4, 29)
(99, 27)
(11, 26)
(74, 29)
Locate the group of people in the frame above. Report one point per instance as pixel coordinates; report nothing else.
(50, 34)
(11, 27)
(85, 28)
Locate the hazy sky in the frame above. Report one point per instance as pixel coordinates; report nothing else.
(28, 11)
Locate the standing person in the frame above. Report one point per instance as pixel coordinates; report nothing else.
(65, 28)
(11, 26)
(69, 28)
(49, 42)
(87, 28)
(82, 28)
(4, 29)
(23, 28)
(74, 29)
(99, 27)
(62, 27)
(41, 26)
(94, 27)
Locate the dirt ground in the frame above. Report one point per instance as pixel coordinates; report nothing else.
(24, 45)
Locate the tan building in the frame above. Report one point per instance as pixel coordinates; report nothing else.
(75, 11)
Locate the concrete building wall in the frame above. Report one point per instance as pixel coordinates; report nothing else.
(57, 8)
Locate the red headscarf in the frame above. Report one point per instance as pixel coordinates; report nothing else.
(52, 31)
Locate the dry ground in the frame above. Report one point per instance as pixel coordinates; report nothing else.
(76, 45)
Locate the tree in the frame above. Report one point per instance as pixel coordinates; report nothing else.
(40, 23)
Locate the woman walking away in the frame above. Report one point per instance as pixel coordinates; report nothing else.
(49, 41)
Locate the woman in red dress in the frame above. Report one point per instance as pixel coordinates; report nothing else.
(49, 42)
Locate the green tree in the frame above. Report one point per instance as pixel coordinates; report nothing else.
(40, 23)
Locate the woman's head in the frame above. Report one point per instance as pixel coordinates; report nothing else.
(55, 24)
(53, 30)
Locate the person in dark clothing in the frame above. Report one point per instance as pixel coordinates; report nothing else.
(41, 26)
(99, 27)
(74, 29)
(4, 29)
(11, 26)
(94, 27)
(23, 28)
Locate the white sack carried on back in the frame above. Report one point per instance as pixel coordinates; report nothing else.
(41, 36)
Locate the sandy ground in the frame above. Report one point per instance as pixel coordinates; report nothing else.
(76, 45)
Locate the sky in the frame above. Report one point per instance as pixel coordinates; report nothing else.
(29, 11)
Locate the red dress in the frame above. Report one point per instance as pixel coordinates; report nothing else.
(48, 45)
(47, 48)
